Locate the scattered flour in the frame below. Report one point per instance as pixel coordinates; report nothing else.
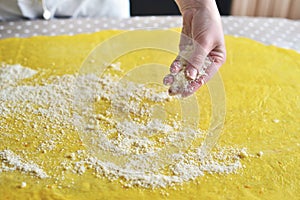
(116, 66)
(123, 142)
(11, 162)
(23, 185)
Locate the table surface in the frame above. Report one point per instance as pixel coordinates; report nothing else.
(275, 31)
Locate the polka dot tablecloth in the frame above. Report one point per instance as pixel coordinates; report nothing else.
(276, 31)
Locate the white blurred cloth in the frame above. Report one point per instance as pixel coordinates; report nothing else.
(32, 9)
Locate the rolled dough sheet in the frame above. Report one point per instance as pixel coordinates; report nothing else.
(262, 101)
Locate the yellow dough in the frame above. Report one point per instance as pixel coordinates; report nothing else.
(262, 86)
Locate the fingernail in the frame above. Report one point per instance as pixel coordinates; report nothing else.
(191, 73)
(168, 80)
(175, 67)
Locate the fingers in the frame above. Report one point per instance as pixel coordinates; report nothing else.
(185, 41)
(196, 76)
(176, 87)
(191, 72)
(195, 61)
(184, 92)
(195, 54)
(168, 81)
(192, 87)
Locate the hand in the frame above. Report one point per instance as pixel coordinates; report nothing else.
(202, 36)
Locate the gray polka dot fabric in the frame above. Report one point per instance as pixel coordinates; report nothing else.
(276, 31)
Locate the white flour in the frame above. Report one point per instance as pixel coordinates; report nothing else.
(11, 162)
(181, 83)
(9, 74)
(123, 140)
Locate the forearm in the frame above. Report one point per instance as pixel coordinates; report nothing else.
(188, 4)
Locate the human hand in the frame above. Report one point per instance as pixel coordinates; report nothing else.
(201, 49)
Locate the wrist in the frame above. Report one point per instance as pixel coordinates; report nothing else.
(198, 4)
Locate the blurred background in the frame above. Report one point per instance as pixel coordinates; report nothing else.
(36, 9)
(115, 14)
(264, 8)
